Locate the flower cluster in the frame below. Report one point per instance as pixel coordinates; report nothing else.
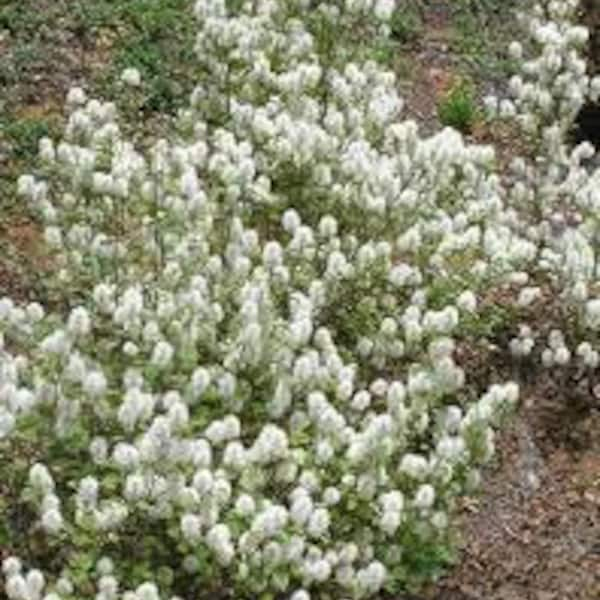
(253, 359)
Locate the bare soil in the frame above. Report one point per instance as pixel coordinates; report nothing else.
(534, 534)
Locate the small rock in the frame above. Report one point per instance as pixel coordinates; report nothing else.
(573, 498)
(532, 481)
(592, 496)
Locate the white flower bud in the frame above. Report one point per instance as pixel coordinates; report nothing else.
(425, 496)
(131, 77)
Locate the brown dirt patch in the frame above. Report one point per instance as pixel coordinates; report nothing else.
(23, 258)
(432, 67)
(535, 532)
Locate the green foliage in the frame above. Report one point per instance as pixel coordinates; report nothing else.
(17, 17)
(159, 43)
(479, 28)
(407, 23)
(426, 563)
(24, 135)
(458, 108)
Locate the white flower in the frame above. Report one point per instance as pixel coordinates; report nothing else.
(108, 585)
(16, 588)
(76, 96)
(47, 152)
(162, 354)
(88, 491)
(95, 384)
(562, 356)
(320, 570)
(467, 301)
(414, 466)
(147, 591)
(7, 422)
(200, 380)
(439, 520)
(64, 586)
(529, 295)
(301, 509)
(52, 521)
(390, 522)
(191, 527)
(75, 370)
(361, 400)
(40, 478)
(26, 186)
(328, 226)
(271, 445)
(11, 565)
(372, 578)
(131, 76)
(53, 236)
(332, 496)
(200, 453)
(384, 9)
(105, 566)
(218, 539)
(135, 487)
(272, 254)
(79, 322)
(548, 358)
(515, 50)
(55, 343)
(221, 491)
(203, 481)
(245, 505)
(593, 313)
(318, 523)
(291, 221)
(98, 450)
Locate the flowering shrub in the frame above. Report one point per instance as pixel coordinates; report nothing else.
(246, 379)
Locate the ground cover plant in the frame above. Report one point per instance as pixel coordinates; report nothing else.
(243, 379)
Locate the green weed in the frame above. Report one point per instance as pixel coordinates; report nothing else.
(24, 136)
(159, 43)
(458, 108)
(407, 23)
